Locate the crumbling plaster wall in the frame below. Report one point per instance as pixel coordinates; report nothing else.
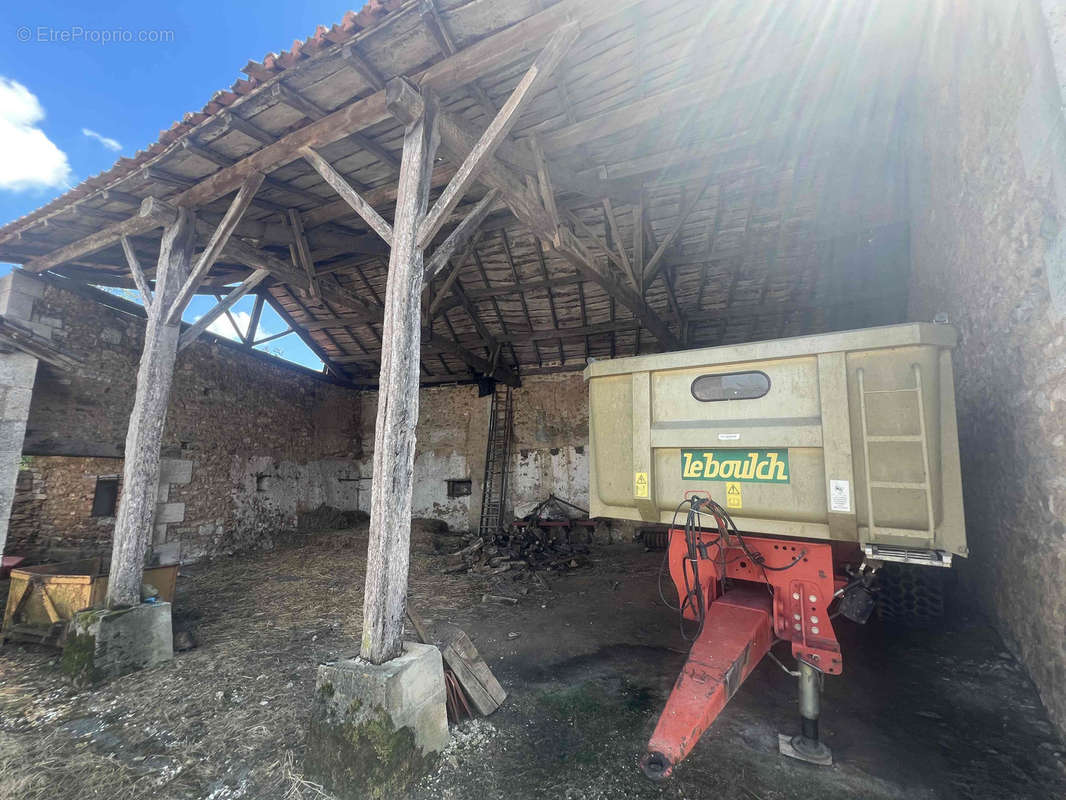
(249, 443)
(988, 233)
(551, 436)
(549, 439)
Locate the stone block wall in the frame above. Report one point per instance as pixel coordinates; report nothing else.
(988, 235)
(250, 442)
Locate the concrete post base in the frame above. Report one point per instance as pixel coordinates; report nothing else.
(375, 729)
(103, 644)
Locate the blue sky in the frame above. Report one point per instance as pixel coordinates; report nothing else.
(71, 103)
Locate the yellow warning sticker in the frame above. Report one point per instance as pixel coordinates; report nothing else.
(640, 484)
(733, 497)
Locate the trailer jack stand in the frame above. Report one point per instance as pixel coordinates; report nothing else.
(806, 746)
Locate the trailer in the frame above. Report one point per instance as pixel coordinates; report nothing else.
(789, 471)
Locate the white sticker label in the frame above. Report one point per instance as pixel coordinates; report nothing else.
(728, 437)
(840, 496)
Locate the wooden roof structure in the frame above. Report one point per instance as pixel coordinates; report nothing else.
(688, 173)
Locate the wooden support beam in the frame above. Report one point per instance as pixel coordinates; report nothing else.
(253, 321)
(544, 181)
(453, 275)
(297, 101)
(215, 244)
(241, 125)
(248, 284)
(115, 196)
(388, 555)
(302, 251)
(207, 154)
(144, 436)
(357, 61)
(359, 205)
(458, 237)
(458, 140)
(600, 244)
(654, 265)
(14, 334)
(152, 214)
(479, 365)
(498, 129)
(328, 363)
(438, 29)
(136, 271)
(616, 237)
(257, 258)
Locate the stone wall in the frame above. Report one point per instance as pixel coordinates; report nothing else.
(250, 442)
(52, 515)
(988, 234)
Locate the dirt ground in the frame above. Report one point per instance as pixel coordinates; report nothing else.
(588, 662)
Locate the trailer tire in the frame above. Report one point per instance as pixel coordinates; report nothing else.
(911, 595)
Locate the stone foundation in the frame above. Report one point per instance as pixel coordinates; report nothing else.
(375, 729)
(103, 644)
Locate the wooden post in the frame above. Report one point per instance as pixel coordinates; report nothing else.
(140, 478)
(388, 555)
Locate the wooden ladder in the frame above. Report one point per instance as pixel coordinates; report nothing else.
(497, 461)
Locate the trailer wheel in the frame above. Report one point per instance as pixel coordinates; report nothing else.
(911, 594)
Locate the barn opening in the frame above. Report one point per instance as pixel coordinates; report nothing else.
(625, 180)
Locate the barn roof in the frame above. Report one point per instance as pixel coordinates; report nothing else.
(728, 171)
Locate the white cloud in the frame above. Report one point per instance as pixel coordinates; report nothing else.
(106, 141)
(28, 158)
(222, 326)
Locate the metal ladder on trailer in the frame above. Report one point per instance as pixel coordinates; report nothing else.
(925, 485)
(497, 461)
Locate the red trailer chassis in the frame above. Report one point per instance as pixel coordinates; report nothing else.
(779, 590)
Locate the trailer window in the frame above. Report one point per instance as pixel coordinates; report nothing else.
(730, 386)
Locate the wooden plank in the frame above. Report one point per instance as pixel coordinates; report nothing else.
(359, 205)
(473, 674)
(215, 245)
(136, 271)
(152, 214)
(193, 331)
(388, 554)
(498, 129)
